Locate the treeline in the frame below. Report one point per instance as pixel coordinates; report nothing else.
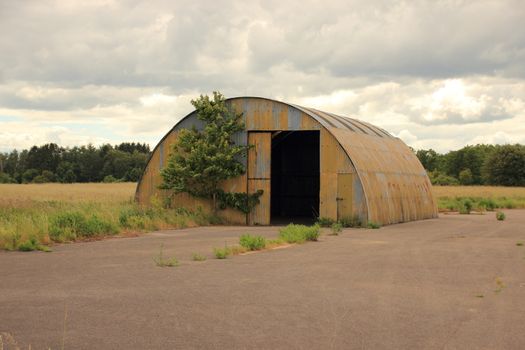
(52, 163)
(476, 165)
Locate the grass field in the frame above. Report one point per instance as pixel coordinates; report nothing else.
(481, 198)
(22, 195)
(33, 216)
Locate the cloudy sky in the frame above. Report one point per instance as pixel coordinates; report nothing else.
(438, 74)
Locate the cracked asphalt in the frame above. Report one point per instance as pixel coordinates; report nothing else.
(457, 282)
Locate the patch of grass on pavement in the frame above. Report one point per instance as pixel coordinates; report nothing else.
(161, 261)
(299, 233)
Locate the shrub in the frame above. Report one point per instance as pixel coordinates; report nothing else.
(373, 225)
(6, 179)
(350, 221)
(221, 253)
(109, 179)
(438, 178)
(66, 226)
(337, 228)
(488, 203)
(500, 216)
(29, 245)
(325, 222)
(299, 233)
(71, 225)
(97, 226)
(252, 242)
(465, 206)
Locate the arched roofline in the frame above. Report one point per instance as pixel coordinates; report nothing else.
(311, 113)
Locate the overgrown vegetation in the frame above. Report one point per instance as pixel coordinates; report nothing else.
(202, 159)
(325, 222)
(252, 242)
(351, 221)
(52, 163)
(373, 225)
(33, 225)
(222, 253)
(299, 233)
(337, 228)
(500, 216)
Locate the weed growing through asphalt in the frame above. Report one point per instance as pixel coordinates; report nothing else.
(299, 233)
(163, 262)
(351, 221)
(222, 253)
(519, 244)
(500, 216)
(197, 257)
(480, 296)
(325, 222)
(373, 225)
(252, 242)
(337, 228)
(499, 285)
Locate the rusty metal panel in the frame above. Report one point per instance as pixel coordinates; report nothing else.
(259, 155)
(260, 215)
(259, 173)
(394, 182)
(345, 195)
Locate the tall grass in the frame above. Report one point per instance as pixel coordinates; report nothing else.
(54, 215)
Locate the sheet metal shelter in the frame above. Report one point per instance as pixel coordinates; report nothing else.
(309, 163)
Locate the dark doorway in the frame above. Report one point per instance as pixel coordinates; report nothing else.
(295, 176)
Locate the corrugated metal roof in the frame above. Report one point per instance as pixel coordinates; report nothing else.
(345, 123)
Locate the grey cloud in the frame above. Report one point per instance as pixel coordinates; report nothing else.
(390, 54)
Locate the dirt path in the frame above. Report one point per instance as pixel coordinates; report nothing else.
(453, 283)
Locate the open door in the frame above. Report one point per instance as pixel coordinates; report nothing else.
(295, 174)
(259, 175)
(345, 186)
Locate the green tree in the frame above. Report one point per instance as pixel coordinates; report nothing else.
(29, 175)
(430, 159)
(465, 177)
(202, 159)
(506, 166)
(6, 179)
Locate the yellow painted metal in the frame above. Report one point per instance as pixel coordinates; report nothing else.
(260, 215)
(345, 186)
(259, 175)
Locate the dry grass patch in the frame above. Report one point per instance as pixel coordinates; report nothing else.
(23, 195)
